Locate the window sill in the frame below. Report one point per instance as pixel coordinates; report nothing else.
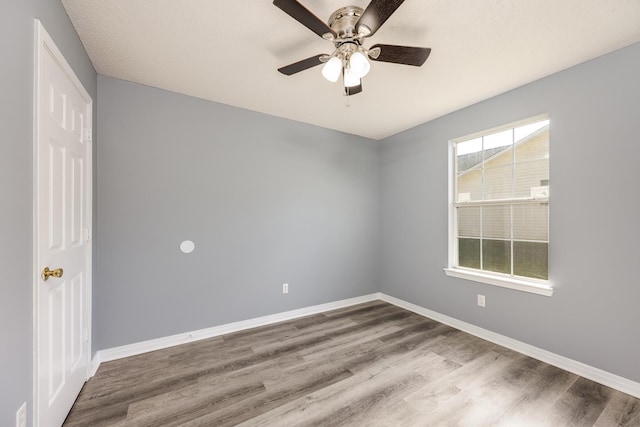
(505, 282)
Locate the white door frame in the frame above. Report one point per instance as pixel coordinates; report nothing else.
(44, 41)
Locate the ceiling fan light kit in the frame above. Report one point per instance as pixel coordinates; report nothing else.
(359, 64)
(331, 70)
(347, 29)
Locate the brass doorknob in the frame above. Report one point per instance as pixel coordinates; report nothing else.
(46, 273)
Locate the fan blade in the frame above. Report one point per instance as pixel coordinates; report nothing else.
(401, 54)
(348, 91)
(296, 67)
(305, 17)
(375, 15)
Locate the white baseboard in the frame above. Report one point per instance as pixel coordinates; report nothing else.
(598, 375)
(170, 341)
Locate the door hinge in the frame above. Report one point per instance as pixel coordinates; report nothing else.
(87, 234)
(88, 135)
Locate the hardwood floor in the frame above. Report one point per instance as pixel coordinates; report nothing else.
(372, 364)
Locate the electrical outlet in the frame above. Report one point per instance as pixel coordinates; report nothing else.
(481, 300)
(285, 288)
(21, 416)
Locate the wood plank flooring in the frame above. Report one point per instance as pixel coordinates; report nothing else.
(372, 364)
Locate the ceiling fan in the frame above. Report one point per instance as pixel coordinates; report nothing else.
(347, 29)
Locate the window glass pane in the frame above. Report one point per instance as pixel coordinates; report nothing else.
(496, 222)
(469, 170)
(503, 157)
(531, 222)
(469, 221)
(469, 253)
(498, 183)
(496, 256)
(532, 141)
(470, 186)
(531, 259)
(496, 143)
(469, 154)
(532, 179)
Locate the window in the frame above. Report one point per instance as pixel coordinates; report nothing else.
(499, 222)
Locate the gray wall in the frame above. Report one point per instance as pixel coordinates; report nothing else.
(593, 316)
(16, 176)
(267, 201)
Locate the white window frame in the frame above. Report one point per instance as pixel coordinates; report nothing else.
(536, 286)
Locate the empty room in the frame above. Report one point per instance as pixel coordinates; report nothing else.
(302, 212)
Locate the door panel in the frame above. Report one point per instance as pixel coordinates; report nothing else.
(77, 201)
(56, 202)
(55, 357)
(75, 322)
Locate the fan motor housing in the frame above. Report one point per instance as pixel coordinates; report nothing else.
(343, 21)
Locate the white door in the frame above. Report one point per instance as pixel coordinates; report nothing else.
(62, 231)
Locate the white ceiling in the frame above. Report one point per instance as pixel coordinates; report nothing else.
(230, 51)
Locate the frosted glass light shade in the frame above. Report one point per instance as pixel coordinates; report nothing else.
(351, 79)
(331, 70)
(359, 64)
